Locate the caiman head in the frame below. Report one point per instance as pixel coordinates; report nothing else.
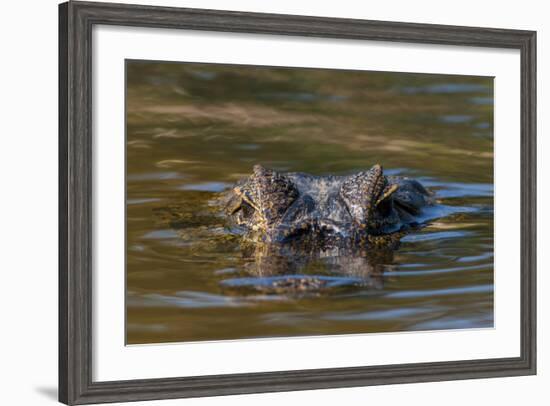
(328, 211)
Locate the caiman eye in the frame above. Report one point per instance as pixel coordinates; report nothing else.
(247, 210)
(271, 193)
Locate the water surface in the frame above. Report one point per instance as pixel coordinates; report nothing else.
(194, 129)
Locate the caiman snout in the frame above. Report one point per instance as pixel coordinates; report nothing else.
(317, 229)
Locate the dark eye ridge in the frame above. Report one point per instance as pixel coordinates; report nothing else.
(361, 192)
(272, 193)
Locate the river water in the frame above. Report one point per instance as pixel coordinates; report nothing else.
(195, 129)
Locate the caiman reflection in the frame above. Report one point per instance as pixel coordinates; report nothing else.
(278, 269)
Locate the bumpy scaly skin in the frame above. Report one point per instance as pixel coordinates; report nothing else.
(366, 209)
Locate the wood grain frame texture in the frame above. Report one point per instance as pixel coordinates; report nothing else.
(76, 20)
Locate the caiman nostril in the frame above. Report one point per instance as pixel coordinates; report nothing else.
(292, 232)
(329, 227)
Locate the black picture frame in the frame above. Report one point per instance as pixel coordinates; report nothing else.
(76, 20)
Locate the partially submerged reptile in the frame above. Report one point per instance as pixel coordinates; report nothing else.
(365, 209)
(350, 223)
(309, 234)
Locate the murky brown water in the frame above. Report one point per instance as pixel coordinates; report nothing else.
(194, 129)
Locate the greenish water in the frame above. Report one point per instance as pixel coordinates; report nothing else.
(195, 129)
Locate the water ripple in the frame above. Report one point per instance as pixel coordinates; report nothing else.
(445, 88)
(153, 176)
(206, 186)
(456, 119)
(191, 299)
(456, 189)
(272, 281)
(388, 314)
(438, 271)
(408, 294)
(440, 235)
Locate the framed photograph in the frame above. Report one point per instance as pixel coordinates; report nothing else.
(258, 203)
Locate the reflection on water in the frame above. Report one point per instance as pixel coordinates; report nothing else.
(194, 129)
